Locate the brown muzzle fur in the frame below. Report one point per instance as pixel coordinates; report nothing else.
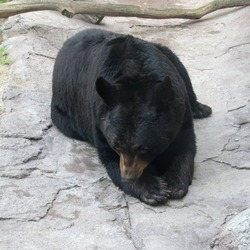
(131, 166)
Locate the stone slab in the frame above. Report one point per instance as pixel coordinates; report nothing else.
(55, 194)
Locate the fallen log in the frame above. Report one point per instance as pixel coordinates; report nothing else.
(71, 8)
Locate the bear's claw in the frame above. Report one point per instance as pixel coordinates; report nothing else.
(154, 193)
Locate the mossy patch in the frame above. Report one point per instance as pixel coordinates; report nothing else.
(4, 60)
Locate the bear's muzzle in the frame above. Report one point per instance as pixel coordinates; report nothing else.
(131, 166)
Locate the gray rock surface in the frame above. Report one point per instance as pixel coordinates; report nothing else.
(235, 234)
(54, 193)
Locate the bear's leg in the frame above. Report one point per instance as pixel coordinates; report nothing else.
(178, 172)
(63, 122)
(199, 110)
(148, 188)
(179, 175)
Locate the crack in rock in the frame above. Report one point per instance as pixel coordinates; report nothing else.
(240, 107)
(24, 173)
(50, 204)
(33, 157)
(127, 213)
(155, 210)
(231, 146)
(230, 165)
(137, 243)
(21, 136)
(122, 216)
(7, 218)
(16, 176)
(228, 217)
(46, 56)
(233, 149)
(31, 138)
(230, 48)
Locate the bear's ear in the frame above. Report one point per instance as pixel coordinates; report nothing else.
(163, 89)
(117, 40)
(119, 45)
(105, 90)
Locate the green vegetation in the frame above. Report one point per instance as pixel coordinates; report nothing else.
(4, 60)
(3, 1)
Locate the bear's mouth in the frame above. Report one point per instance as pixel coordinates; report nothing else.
(131, 166)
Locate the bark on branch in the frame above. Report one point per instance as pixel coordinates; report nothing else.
(71, 8)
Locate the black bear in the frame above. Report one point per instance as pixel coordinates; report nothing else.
(133, 100)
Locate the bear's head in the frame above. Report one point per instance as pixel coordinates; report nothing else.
(139, 120)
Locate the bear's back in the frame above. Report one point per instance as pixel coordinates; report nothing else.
(118, 58)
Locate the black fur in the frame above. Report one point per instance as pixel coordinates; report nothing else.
(132, 100)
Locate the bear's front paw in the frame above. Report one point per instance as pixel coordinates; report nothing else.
(154, 192)
(177, 193)
(177, 187)
(201, 110)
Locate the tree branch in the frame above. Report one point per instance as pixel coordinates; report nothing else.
(71, 8)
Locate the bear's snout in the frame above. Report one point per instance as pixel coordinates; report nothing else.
(131, 166)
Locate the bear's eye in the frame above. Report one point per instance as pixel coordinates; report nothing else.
(117, 146)
(141, 150)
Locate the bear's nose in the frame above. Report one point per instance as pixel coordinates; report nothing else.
(131, 166)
